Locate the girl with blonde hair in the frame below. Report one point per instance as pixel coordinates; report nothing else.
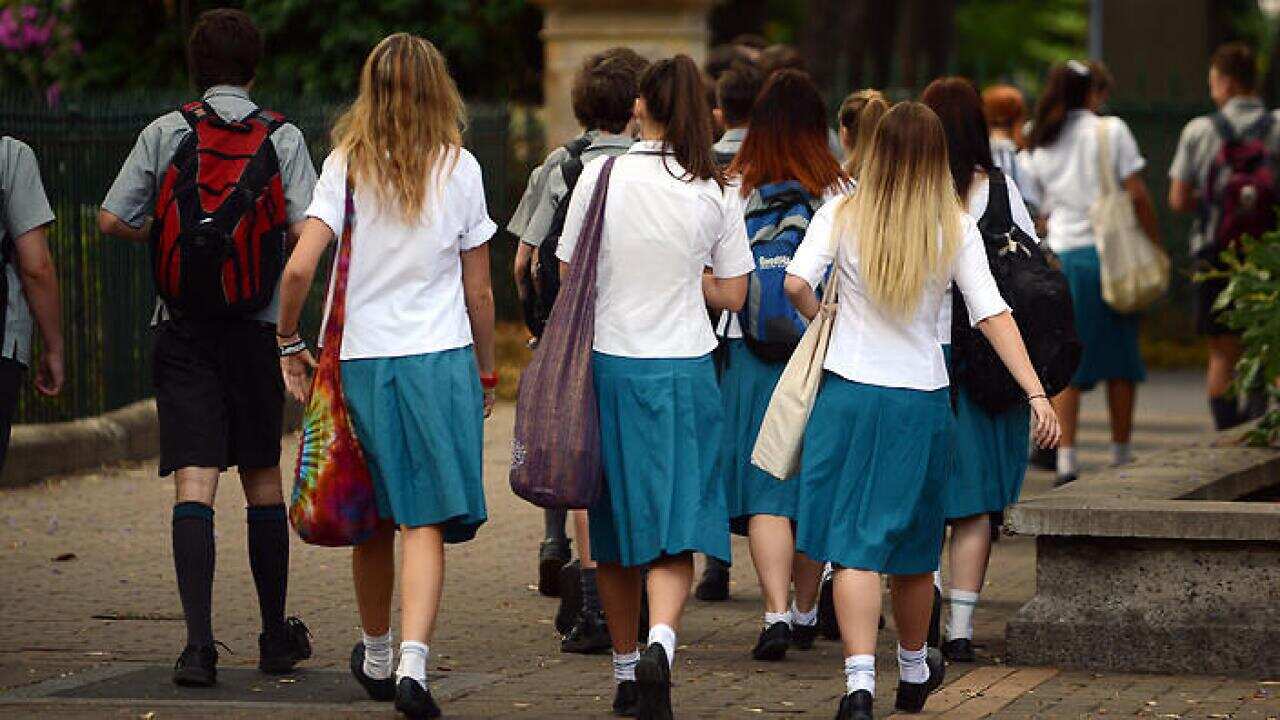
(417, 345)
(859, 115)
(879, 444)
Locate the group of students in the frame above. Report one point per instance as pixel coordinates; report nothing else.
(684, 367)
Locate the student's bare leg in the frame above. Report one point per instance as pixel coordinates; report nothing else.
(668, 581)
(620, 594)
(772, 551)
(806, 576)
(421, 581)
(1121, 397)
(857, 600)
(373, 571)
(1066, 405)
(582, 534)
(912, 605)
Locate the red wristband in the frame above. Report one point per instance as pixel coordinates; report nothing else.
(489, 382)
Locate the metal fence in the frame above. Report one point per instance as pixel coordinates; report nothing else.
(106, 283)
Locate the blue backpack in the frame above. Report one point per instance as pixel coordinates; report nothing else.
(777, 217)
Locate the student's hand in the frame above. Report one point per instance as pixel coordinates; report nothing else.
(1044, 425)
(490, 399)
(297, 371)
(50, 375)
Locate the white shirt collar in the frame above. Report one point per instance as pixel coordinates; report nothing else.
(649, 146)
(227, 91)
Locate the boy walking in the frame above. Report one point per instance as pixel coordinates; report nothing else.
(1214, 174)
(220, 189)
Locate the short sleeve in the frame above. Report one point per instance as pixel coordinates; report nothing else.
(26, 206)
(528, 203)
(132, 195)
(731, 253)
(1126, 156)
(554, 191)
(297, 174)
(1182, 168)
(816, 251)
(973, 276)
(478, 226)
(579, 202)
(328, 201)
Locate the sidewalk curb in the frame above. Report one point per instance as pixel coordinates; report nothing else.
(131, 433)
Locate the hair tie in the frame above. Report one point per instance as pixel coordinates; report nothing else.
(1078, 68)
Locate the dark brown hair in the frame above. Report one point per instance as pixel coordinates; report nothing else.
(631, 60)
(604, 95)
(676, 98)
(224, 49)
(1067, 89)
(781, 57)
(956, 103)
(788, 138)
(1238, 62)
(736, 92)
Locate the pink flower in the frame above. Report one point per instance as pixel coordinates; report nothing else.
(29, 12)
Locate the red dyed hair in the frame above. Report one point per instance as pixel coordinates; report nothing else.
(787, 138)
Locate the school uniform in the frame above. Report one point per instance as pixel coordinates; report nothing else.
(879, 445)
(991, 450)
(661, 418)
(555, 189)
(1064, 176)
(408, 365)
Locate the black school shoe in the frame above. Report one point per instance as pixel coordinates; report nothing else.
(570, 585)
(415, 701)
(803, 636)
(1061, 480)
(912, 696)
(282, 649)
(588, 636)
(1044, 458)
(197, 666)
(625, 698)
(714, 586)
(383, 690)
(773, 643)
(855, 706)
(959, 650)
(553, 555)
(653, 685)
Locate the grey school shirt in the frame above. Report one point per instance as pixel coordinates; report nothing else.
(25, 208)
(554, 188)
(1200, 143)
(133, 195)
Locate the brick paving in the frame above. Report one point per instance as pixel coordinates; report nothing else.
(111, 607)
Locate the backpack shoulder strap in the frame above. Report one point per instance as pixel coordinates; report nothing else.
(998, 217)
(1222, 126)
(571, 167)
(1261, 127)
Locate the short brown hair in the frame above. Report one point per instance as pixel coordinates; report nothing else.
(1238, 62)
(736, 92)
(224, 49)
(604, 94)
(781, 57)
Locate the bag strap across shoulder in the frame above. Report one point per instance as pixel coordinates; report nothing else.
(998, 217)
(1106, 175)
(341, 270)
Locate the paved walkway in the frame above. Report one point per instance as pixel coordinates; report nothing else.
(90, 619)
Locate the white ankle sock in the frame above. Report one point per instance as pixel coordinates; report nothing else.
(413, 662)
(960, 621)
(624, 666)
(912, 667)
(665, 636)
(937, 579)
(771, 618)
(807, 619)
(1121, 453)
(1067, 461)
(860, 674)
(378, 656)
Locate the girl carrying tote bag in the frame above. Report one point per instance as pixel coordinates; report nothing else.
(333, 501)
(1134, 272)
(781, 436)
(555, 453)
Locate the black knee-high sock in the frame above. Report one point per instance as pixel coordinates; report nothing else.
(553, 522)
(590, 593)
(193, 558)
(269, 561)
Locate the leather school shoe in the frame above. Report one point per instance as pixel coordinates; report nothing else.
(415, 701)
(280, 650)
(553, 555)
(803, 636)
(714, 586)
(653, 683)
(383, 690)
(912, 696)
(625, 698)
(959, 650)
(773, 643)
(197, 666)
(570, 584)
(855, 706)
(588, 636)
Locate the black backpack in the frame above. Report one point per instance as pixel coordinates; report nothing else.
(1031, 281)
(547, 281)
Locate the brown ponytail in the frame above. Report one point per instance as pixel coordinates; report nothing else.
(676, 98)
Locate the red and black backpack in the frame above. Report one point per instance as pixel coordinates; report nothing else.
(1241, 188)
(218, 242)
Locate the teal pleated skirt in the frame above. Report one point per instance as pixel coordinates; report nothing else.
(1110, 339)
(872, 477)
(991, 457)
(747, 386)
(661, 422)
(420, 419)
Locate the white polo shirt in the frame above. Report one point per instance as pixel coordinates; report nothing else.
(1064, 177)
(659, 233)
(874, 348)
(404, 290)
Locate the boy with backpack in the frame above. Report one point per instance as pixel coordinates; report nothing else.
(220, 189)
(1224, 172)
(28, 284)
